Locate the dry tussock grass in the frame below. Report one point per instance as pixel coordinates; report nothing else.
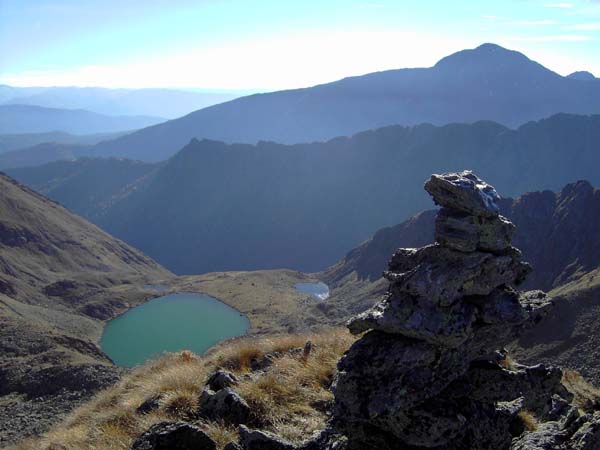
(287, 399)
(509, 363)
(586, 395)
(529, 420)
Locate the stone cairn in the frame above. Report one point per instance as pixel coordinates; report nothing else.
(427, 374)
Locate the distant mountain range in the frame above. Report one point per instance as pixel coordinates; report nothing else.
(34, 149)
(12, 142)
(168, 103)
(40, 154)
(487, 83)
(15, 119)
(215, 206)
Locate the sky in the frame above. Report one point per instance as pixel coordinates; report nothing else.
(275, 44)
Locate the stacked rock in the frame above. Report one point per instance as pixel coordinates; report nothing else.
(450, 305)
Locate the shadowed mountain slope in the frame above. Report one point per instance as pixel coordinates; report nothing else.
(60, 277)
(216, 207)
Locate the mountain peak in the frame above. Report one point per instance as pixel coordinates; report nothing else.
(482, 56)
(582, 75)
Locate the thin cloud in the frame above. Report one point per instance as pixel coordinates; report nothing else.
(558, 5)
(371, 5)
(554, 38)
(585, 27)
(534, 23)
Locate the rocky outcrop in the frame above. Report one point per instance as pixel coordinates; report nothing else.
(261, 440)
(225, 405)
(221, 379)
(427, 373)
(174, 436)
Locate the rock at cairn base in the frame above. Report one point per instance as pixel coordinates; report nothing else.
(426, 374)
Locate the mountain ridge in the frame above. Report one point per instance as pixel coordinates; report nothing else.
(212, 199)
(511, 94)
(17, 119)
(161, 102)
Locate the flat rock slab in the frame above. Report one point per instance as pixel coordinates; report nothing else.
(468, 233)
(464, 191)
(443, 276)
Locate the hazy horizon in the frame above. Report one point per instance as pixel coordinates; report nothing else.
(225, 45)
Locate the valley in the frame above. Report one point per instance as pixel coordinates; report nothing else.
(299, 225)
(62, 279)
(267, 206)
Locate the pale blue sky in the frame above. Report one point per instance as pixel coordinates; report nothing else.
(275, 44)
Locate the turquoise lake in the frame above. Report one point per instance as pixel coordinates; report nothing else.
(168, 324)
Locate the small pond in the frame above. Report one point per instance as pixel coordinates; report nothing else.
(170, 323)
(318, 290)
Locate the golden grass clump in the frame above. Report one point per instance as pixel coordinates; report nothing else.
(288, 398)
(509, 363)
(181, 404)
(528, 419)
(220, 432)
(585, 395)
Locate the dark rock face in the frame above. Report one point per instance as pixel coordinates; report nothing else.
(225, 404)
(221, 379)
(262, 440)
(174, 436)
(467, 233)
(426, 374)
(149, 405)
(233, 446)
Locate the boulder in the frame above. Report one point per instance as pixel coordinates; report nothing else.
(149, 405)
(221, 379)
(233, 446)
(226, 405)
(588, 436)
(262, 440)
(174, 436)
